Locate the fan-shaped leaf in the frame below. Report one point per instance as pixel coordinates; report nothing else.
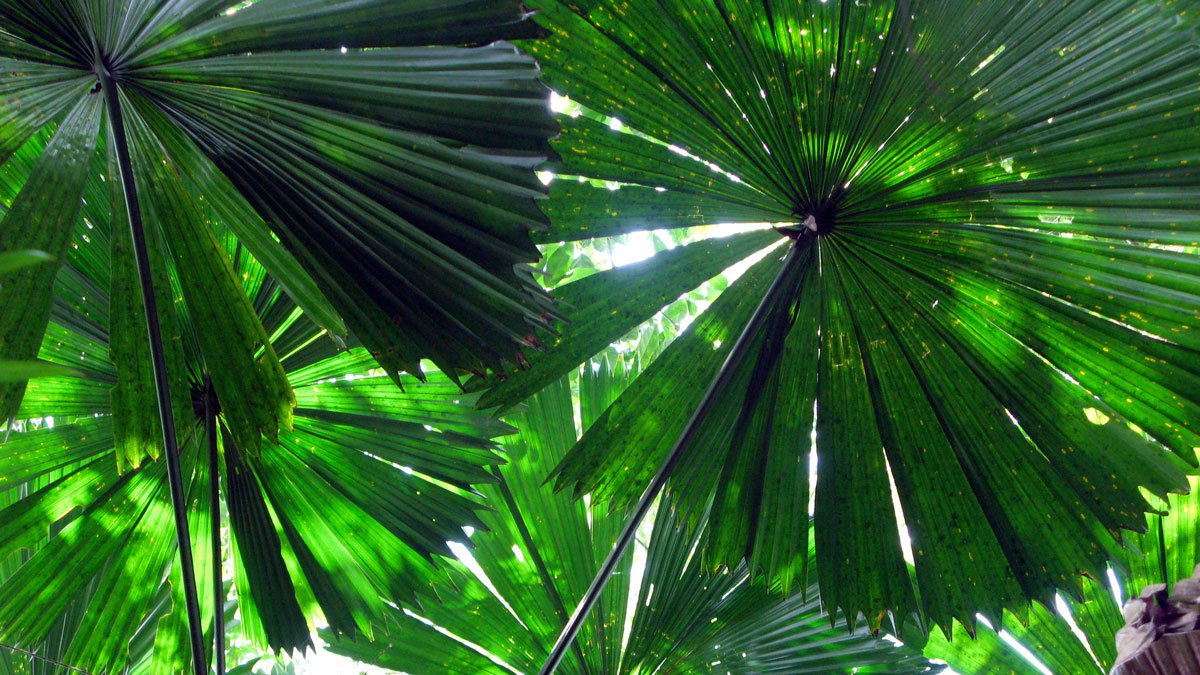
(537, 554)
(1005, 242)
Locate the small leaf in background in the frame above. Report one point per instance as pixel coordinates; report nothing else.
(14, 260)
(19, 371)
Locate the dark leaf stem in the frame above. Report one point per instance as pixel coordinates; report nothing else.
(214, 503)
(737, 354)
(1162, 550)
(166, 416)
(539, 563)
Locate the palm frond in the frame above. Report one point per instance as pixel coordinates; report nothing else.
(418, 241)
(352, 505)
(371, 186)
(1003, 195)
(1089, 646)
(537, 554)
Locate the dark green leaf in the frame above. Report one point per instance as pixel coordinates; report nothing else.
(40, 218)
(1003, 196)
(538, 553)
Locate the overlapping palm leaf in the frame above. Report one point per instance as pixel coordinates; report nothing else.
(348, 507)
(47, 659)
(311, 173)
(12, 371)
(1052, 639)
(538, 554)
(376, 157)
(1004, 199)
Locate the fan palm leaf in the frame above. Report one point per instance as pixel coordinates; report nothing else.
(351, 505)
(379, 169)
(1089, 646)
(993, 223)
(371, 182)
(538, 553)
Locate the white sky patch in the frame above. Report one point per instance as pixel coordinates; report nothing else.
(1115, 586)
(901, 525)
(558, 102)
(587, 505)
(729, 229)
(1064, 611)
(740, 268)
(812, 464)
(636, 247)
